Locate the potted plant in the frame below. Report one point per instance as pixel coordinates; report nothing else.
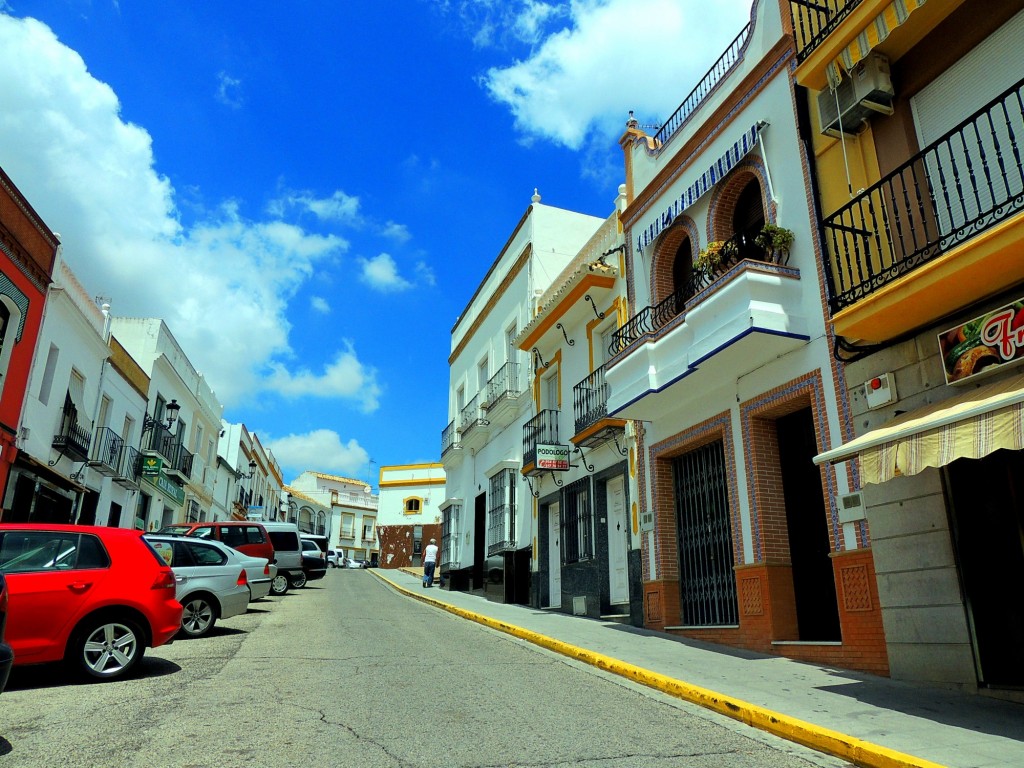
(714, 255)
(774, 239)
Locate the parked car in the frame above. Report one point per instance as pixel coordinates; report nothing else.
(288, 552)
(334, 558)
(352, 563)
(212, 582)
(246, 536)
(313, 568)
(260, 574)
(92, 597)
(6, 653)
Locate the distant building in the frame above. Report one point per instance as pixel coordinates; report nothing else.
(351, 511)
(409, 513)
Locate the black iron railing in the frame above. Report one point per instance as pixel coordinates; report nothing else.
(703, 89)
(505, 383)
(130, 464)
(542, 429)
(449, 438)
(590, 400)
(73, 438)
(814, 20)
(962, 184)
(107, 447)
(652, 319)
(471, 415)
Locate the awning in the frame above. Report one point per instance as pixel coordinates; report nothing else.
(970, 425)
(872, 35)
(700, 186)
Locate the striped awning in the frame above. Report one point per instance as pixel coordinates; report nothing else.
(701, 185)
(970, 425)
(872, 35)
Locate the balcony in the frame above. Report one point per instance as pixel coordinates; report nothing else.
(128, 468)
(746, 313)
(938, 233)
(590, 407)
(846, 30)
(179, 465)
(542, 429)
(504, 395)
(73, 439)
(106, 454)
(451, 448)
(474, 427)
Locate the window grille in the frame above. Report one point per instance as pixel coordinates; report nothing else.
(577, 523)
(501, 512)
(450, 535)
(708, 580)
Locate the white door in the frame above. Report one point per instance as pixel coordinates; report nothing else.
(554, 557)
(618, 542)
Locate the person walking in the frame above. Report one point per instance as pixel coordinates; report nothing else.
(429, 563)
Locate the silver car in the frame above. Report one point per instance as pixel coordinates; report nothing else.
(212, 582)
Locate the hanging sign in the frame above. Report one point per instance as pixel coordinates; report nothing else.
(151, 466)
(553, 457)
(985, 344)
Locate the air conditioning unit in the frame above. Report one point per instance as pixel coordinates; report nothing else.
(864, 92)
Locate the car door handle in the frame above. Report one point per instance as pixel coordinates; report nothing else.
(79, 586)
(181, 579)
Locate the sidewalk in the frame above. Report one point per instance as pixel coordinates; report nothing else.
(867, 720)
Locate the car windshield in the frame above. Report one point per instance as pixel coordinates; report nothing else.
(173, 530)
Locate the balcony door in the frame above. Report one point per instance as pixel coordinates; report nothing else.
(618, 542)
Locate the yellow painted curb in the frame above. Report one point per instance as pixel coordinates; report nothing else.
(857, 751)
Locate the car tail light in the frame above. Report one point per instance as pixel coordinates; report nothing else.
(242, 581)
(266, 569)
(165, 580)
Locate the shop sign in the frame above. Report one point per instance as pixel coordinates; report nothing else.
(170, 489)
(985, 344)
(553, 457)
(151, 466)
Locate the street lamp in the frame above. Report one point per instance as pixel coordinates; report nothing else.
(252, 470)
(170, 416)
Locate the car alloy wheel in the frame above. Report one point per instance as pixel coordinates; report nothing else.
(279, 585)
(298, 581)
(107, 648)
(198, 616)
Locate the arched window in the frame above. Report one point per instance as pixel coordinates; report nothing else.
(413, 505)
(682, 273)
(748, 219)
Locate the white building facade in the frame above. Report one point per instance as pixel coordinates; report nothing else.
(408, 512)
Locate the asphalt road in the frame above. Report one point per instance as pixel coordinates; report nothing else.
(349, 673)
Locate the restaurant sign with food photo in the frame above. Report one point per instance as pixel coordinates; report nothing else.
(984, 344)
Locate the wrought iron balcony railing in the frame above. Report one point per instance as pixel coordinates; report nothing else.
(542, 429)
(73, 439)
(814, 20)
(471, 415)
(962, 184)
(704, 88)
(107, 447)
(504, 383)
(129, 465)
(590, 400)
(449, 438)
(651, 319)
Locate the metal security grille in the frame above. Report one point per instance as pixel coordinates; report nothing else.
(501, 512)
(708, 582)
(577, 523)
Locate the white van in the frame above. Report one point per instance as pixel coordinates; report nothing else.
(288, 551)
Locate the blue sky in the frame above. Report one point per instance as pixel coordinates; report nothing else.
(309, 193)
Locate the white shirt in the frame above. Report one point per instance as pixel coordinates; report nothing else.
(430, 556)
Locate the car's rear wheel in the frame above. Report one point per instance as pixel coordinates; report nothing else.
(199, 615)
(298, 580)
(279, 585)
(107, 648)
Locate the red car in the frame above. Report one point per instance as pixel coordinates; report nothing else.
(90, 596)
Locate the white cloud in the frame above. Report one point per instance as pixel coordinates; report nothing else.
(584, 79)
(381, 273)
(345, 378)
(222, 285)
(397, 232)
(229, 90)
(339, 207)
(425, 274)
(319, 304)
(321, 450)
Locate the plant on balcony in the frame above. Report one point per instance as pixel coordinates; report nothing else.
(774, 239)
(714, 255)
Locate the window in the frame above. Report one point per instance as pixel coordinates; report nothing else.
(510, 343)
(368, 523)
(254, 535)
(413, 506)
(577, 523)
(48, 372)
(33, 551)
(748, 219)
(549, 392)
(707, 580)
(201, 554)
(232, 536)
(481, 376)
(501, 512)
(348, 526)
